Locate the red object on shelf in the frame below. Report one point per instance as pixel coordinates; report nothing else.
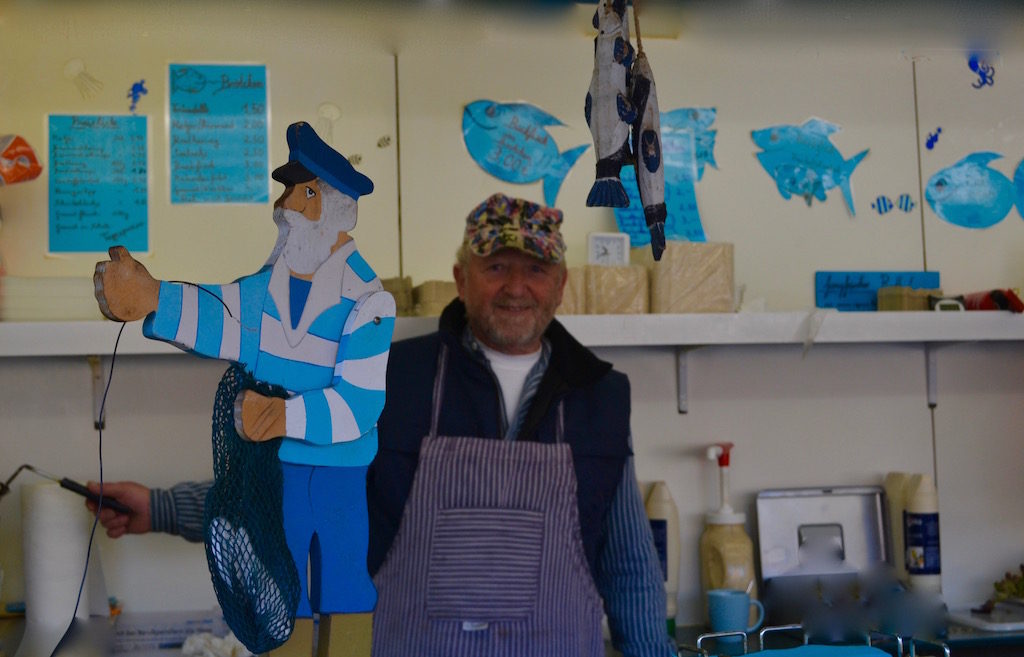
(18, 161)
(994, 300)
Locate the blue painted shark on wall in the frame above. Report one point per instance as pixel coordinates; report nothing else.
(803, 161)
(970, 193)
(510, 142)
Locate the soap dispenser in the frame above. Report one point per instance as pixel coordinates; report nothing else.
(726, 551)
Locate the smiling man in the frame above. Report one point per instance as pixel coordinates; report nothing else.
(504, 511)
(505, 459)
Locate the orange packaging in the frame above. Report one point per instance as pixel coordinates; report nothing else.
(18, 161)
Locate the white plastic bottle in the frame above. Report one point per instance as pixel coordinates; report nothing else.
(921, 536)
(664, 518)
(896, 485)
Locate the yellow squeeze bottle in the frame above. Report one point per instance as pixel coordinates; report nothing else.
(726, 551)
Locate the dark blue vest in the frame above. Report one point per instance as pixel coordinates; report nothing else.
(596, 403)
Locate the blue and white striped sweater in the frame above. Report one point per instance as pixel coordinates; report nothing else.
(334, 363)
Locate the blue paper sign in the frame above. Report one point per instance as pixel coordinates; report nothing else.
(219, 134)
(688, 144)
(858, 290)
(98, 183)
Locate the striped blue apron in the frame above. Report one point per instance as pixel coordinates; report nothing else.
(488, 560)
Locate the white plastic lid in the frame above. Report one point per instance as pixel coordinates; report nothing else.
(730, 517)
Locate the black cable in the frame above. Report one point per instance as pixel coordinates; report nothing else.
(99, 428)
(196, 285)
(99, 507)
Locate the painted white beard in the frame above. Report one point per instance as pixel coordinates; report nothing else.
(308, 243)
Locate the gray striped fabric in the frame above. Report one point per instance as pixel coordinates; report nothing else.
(488, 561)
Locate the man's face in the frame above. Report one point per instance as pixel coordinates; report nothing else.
(510, 298)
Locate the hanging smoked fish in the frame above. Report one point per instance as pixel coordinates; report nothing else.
(608, 109)
(650, 163)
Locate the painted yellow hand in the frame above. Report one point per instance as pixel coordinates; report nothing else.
(124, 288)
(262, 417)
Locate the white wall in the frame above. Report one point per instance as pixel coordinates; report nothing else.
(839, 415)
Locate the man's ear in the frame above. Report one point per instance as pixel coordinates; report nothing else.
(561, 287)
(460, 281)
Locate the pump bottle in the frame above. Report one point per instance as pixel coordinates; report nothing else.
(726, 551)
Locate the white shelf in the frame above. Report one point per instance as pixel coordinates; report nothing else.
(818, 326)
(97, 337)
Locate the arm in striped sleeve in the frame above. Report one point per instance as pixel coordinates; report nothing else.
(350, 407)
(201, 319)
(179, 510)
(630, 577)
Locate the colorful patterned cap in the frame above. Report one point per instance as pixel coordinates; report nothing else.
(504, 222)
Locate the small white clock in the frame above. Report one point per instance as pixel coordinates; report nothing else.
(608, 249)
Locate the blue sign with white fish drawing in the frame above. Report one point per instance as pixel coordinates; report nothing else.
(510, 142)
(970, 193)
(803, 161)
(688, 145)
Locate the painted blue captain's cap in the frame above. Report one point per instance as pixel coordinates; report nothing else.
(309, 157)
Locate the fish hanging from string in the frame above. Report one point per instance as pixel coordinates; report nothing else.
(649, 161)
(608, 109)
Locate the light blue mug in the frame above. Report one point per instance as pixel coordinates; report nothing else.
(729, 611)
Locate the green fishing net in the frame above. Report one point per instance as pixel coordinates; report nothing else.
(251, 567)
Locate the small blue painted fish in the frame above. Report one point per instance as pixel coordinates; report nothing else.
(509, 141)
(608, 109)
(650, 164)
(882, 204)
(905, 202)
(970, 193)
(804, 162)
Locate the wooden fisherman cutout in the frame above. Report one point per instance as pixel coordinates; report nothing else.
(308, 336)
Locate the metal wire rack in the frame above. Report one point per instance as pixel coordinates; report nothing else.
(900, 646)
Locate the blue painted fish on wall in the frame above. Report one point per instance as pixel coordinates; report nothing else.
(1018, 185)
(688, 145)
(970, 193)
(804, 162)
(696, 121)
(510, 142)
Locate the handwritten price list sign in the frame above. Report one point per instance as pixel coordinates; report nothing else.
(98, 183)
(218, 134)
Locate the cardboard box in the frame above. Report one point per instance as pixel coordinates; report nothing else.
(430, 297)
(693, 277)
(574, 296)
(617, 290)
(899, 297)
(401, 289)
